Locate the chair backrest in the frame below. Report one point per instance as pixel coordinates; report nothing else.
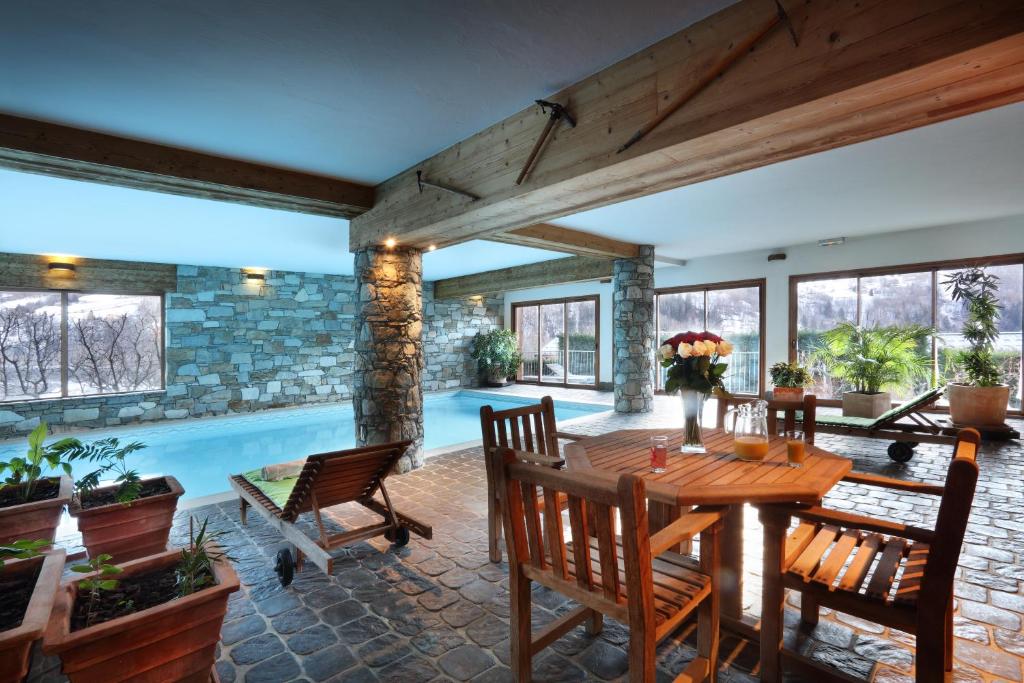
(342, 477)
(529, 428)
(537, 545)
(809, 406)
(951, 525)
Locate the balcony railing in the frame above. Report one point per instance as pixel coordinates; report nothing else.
(581, 366)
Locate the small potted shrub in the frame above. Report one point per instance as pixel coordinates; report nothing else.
(981, 400)
(871, 360)
(27, 589)
(789, 380)
(129, 518)
(157, 618)
(497, 355)
(31, 504)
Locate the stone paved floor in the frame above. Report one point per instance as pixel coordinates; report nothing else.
(437, 610)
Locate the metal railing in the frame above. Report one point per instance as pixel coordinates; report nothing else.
(580, 365)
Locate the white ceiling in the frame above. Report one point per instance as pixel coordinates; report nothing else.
(352, 89)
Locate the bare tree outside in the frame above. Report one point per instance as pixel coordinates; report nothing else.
(29, 345)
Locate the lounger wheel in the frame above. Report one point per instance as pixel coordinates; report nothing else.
(399, 538)
(901, 451)
(284, 567)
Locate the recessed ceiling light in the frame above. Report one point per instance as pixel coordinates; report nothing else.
(432, 247)
(390, 242)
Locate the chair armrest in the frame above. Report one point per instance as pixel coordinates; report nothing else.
(897, 484)
(851, 521)
(538, 459)
(569, 436)
(686, 527)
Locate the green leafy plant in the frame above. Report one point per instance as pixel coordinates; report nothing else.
(497, 351)
(21, 550)
(872, 359)
(789, 375)
(110, 456)
(95, 585)
(195, 569)
(28, 470)
(976, 290)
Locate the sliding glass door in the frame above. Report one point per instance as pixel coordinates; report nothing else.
(559, 341)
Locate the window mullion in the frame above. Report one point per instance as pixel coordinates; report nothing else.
(64, 344)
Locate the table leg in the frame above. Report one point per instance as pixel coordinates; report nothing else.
(773, 593)
(732, 564)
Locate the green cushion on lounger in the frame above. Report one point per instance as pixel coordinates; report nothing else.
(909, 406)
(277, 491)
(845, 421)
(889, 415)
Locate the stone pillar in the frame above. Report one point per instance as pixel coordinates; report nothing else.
(387, 392)
(633, 321)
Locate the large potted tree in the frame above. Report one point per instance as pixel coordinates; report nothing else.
(497, 355)
(982, 399)
(28, 585)
(31, 503)
(871, 360)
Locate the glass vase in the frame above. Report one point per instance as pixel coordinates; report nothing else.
(693, 410)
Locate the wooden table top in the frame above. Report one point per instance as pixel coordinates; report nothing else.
(717, 477)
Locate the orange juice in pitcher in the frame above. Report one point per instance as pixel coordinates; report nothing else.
(749, 427)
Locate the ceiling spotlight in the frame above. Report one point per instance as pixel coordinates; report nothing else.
(831, 241)
(62, 267)
(390, 242)
(255, 277)
(432, 247)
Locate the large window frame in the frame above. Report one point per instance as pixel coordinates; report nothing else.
(759, 283)
(64, 343)
(565, 301)
(932, 267)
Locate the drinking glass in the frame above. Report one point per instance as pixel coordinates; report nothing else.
(659, 453)
(796, 449)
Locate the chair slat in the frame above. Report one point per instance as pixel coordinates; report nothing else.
(538, 423)
(527, 434)
(580, 547)
(909, 588)
(517, 443)
(533, 526)
(553, 533)
(885, 571)
(837, 558)
(812, 554)
(854, 575)
(798, 540)
(604, 519)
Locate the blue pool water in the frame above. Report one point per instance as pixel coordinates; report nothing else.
(202, 453)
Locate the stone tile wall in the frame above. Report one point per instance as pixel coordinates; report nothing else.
(633, 320)
(448, 330)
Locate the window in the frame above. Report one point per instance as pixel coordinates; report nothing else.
(60, 344)
(734, 310)
(902, 296)
(558, 340)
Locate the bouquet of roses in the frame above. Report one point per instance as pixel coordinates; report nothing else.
(694, 361)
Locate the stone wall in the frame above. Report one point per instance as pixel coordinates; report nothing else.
(633, 321)
(232, 346)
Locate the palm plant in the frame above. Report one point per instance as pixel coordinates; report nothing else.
(109, 454)
(976, 290)
(871, 359)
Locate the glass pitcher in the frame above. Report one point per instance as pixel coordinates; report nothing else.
(749, 429)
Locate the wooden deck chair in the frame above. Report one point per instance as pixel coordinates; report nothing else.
(628, 577)
(830, 557)
(532, 429)
(328, 479)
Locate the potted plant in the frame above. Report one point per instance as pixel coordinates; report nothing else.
(27, 589)
(129, 518)
(497, 355)
(31, 504)
(871, 360)
(157, 618)
(983, 398)
(694, 361)
(789, 380)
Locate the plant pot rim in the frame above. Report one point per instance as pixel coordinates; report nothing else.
(58, 636)
(75, 508)
(63, 497)
(868, 393)
(966, 385)
(37, 614)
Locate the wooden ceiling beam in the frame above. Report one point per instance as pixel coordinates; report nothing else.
(557, 238)
(861, 71)
(557, 271)
(51, 149)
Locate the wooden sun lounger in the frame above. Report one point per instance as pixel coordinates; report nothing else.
(328, 479)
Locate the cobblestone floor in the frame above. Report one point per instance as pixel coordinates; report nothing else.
(437, 610)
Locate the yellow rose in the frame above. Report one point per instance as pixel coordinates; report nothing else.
(724, 348)
(700, 348)
(686, 350)
(667, 351)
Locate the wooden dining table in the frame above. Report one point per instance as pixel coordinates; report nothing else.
(716, 477)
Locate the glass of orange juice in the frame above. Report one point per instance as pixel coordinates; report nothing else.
(796, 449)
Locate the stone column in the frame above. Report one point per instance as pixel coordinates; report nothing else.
(633, 321)
(387, 392)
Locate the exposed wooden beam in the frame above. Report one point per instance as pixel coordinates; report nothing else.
(558, 271)
(51, 149)
(863, 70)
(557, 238)
(31, 271)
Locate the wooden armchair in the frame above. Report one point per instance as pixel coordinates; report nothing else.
(809, 406)
(629, 577)
(830, 555)
(531, 429)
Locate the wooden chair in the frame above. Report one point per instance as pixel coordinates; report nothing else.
(629, 577)
(531, 429)
(829, 559)
(789, 409)
(328, 479)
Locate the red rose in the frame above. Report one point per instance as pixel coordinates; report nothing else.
(708, 336)
(690, 337)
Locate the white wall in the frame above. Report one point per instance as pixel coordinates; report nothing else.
(965, 240)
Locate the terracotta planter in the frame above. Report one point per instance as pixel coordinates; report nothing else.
(788, 393)
(130, 531)
(175, 641)
(16, 643)
(977, 406)
(856, 404)
(35, 521)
